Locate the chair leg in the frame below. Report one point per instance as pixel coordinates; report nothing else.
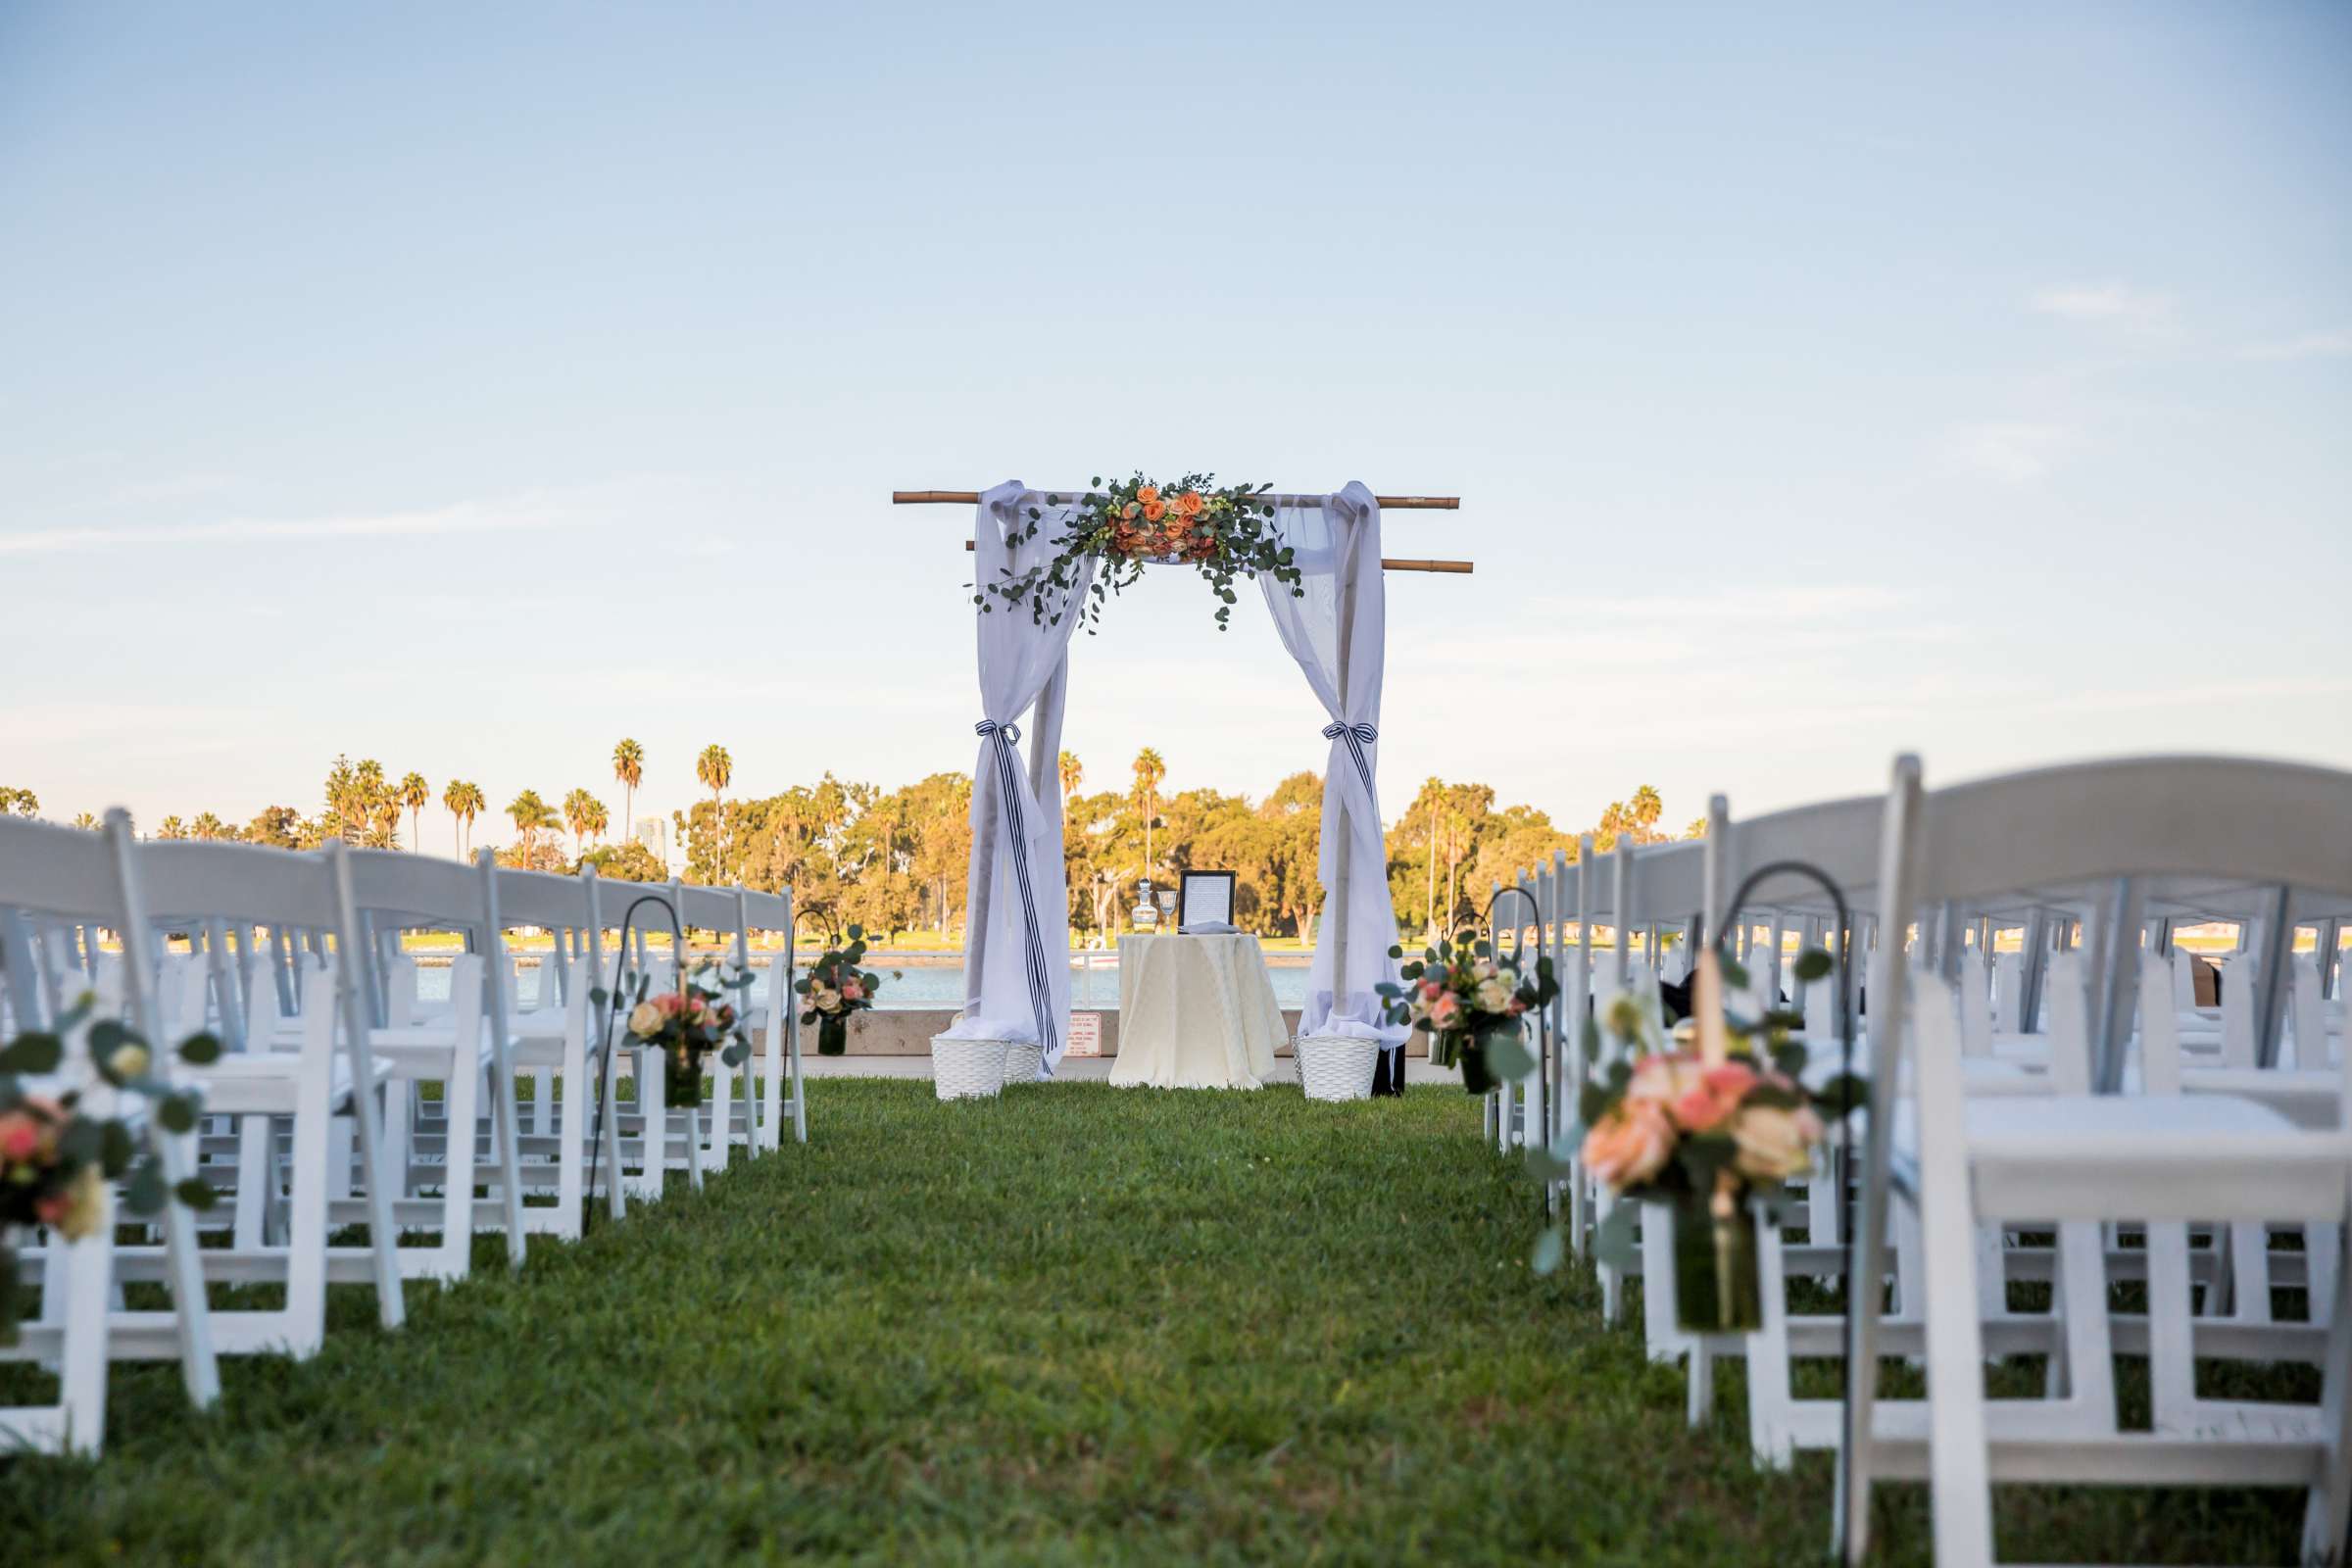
(82, 1378)
(460, 1100)
(200, 1368)
(2327, 1515)
(306, 1219)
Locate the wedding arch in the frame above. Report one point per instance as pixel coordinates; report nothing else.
(1329, 605)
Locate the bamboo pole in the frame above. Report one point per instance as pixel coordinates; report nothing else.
(1457, 568)
(972, 498)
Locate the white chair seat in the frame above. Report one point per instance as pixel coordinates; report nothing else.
(2193, 1157)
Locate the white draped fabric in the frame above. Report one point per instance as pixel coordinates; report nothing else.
(1017, 976)
(1327, 631)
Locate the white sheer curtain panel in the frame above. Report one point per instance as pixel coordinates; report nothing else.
(1016, 973)
(1337, 632)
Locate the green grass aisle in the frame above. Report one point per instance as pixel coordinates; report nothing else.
(1075, 1325)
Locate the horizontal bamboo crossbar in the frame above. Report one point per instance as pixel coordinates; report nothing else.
(1458, 568)
(972, 498)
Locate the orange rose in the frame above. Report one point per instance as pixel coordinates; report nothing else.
(1630, 1145)
(1154, 510)
(1189, 503)
(1131, 510)
(1148, 494)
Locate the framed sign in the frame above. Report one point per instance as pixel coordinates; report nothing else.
(1202, 895)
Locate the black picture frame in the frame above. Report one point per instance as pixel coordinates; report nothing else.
(1183, 895)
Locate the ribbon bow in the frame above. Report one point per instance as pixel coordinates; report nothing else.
(1357, 737)
(1005, 734)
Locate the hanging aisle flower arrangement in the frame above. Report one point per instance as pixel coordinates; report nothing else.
(1226, 534)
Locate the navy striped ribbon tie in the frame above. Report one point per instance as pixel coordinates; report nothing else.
(1033, 954)
(1357, 737)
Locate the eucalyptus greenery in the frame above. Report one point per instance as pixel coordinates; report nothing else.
(1226, 534)
(56, 1155)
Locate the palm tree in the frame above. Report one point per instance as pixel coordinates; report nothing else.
(172, 828)
(1149, 770)
(367, 792)
(383, 832)
(530, 814)
(84, 820)
(1644, 811)
(415, 794)
(597, 819)
(628, 770)
(579, 810)
(715, 767)
(207, 827)
(1071, 773)
(464, 802)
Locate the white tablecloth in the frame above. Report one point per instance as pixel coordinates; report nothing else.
(1196, 1012)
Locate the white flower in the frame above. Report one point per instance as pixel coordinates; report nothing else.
(824, 999)
(128, 1062)
(645, 1020)
(1493, 994)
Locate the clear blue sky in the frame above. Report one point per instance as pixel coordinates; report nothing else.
(467, 386)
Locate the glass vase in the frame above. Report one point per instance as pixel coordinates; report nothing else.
(833, 1035)
(683, 1078)
(1717, 1286)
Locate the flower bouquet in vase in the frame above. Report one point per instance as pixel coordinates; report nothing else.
(835, 988)
(1709, 1125)
(61, 1150)
(1470, 1002)
(689, 1023)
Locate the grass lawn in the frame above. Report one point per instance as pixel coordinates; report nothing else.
(1077, 1325)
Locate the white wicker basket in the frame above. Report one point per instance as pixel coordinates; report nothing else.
(1336, 1066)
(1025, 1062)
(966, 1070)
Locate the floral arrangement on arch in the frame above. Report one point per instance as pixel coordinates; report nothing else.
(1709, 1125)
(835, 988)
(57, 1156)
(1224, 532)
(1469, 1001)
(689, 1023)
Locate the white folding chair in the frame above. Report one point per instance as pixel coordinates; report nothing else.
(89, 878)
(2082, 1160)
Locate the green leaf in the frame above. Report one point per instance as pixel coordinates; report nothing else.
(34, 1053)
(1507, 1055)
(200, 1050)
(1812, 965)
(1734, 973)
(1613, 1242)
(196, 1193)
(146, 1192)
(117, 1150)
(177, 1113)
(1550, 1248)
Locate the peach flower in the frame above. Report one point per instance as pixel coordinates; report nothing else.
(1630, 1145)
(1775, 1143)
(1148, 494)
(19, 1137)
(851, 990)
(1445, 1012)
(1714, 1099)
(1154, 510)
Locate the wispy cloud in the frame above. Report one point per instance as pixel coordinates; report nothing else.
(2310, 346)
(2011, 452)
(2113, 304)
(464, 517)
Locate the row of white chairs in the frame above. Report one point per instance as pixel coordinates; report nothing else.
(2049, 1105)
(348, 1094)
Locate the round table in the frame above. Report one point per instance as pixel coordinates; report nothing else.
(1196, 1012)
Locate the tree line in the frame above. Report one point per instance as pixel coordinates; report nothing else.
(896, 860)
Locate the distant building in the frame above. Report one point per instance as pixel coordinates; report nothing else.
(649, 832)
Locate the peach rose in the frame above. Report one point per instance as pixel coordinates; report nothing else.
(1663, 1078)
(1148, 494)
(1630, 1145)
(1714, 1099)
(851, 990)
(1189, 503)
(1154, 510)
(1131, 510)
(1445, 1012)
